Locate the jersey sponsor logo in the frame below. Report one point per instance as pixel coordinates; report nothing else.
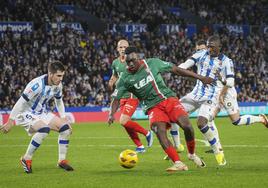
(35, 86)
(143, 82)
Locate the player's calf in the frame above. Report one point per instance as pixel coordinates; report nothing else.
(63, 141)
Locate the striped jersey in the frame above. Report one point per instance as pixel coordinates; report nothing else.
(38, 93)
(206, 66)
(118, 67)
(147, 83)
(227, 72)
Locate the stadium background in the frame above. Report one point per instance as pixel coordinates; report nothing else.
(83, 34)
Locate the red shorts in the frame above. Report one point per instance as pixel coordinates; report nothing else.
(128, 106)
(167, 111)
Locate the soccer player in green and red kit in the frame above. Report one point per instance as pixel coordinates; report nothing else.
(143, 78)
(128, 102)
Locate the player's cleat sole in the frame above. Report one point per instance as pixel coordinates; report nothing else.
(265, 120)
(64, 165)
(220, 159)
(179, 149)
(180, 166)
(140, 150)
(150, 139)
(209, 151)
(27, 165)
(197, 160)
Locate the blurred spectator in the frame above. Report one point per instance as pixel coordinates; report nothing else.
(88, 57)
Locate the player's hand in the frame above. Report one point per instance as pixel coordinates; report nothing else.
(110, 119)
(7, 126)
(207, 80)
(67, 119)
(221, 99)
(220, 78)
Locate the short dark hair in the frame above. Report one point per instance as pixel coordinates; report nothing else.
(201, 42)
(55, 66)
(130, 50)
(215, 39)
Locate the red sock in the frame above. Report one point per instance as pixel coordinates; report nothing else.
(136, 127)
(134, 136)
(191, 146)
(172, 154)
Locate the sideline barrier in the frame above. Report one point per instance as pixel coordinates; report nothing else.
(100, 114)
(250, 108)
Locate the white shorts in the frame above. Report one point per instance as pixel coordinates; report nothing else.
(206, 107)
(230, 102)
(28, 119)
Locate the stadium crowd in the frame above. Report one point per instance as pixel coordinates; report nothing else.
(89, 56)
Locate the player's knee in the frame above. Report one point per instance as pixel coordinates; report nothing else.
(65, 129)
(236, 122)
(201, 122)
(183, 122)
(44, 130)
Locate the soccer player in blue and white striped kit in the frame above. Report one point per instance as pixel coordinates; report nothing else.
(204, 97)
(228, 99)
(31, 112)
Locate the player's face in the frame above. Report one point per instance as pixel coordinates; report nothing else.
(56, 78)
(213, 48)
(121, 47)
(201, 47)
(132, 61)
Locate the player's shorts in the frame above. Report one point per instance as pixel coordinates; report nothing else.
(230, 102)
(167, 111)
(206, 107)
(128, 106)
(28, 119)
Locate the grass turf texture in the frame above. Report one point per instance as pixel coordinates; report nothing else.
(95, 147)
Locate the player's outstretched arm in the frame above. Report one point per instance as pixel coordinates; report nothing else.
(113, 108)
(18, 107)
(7, 126)
(183, 72)
(60, 107)
(111, 82)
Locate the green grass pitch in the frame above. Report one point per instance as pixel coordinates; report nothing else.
(94, 150)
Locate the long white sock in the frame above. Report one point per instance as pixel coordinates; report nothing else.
(214, 129)
(209, 135)
(36, 141)
(175, 134)
(63, 141)
(247, 120)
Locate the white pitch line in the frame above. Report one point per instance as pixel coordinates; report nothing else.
(203, 141)
(112, 145)
(206, 144)
(52, 138)
(91, 137)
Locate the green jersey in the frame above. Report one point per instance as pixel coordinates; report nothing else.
(146, 84)
(118, 68)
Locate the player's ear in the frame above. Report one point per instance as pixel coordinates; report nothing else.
(50, 74)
